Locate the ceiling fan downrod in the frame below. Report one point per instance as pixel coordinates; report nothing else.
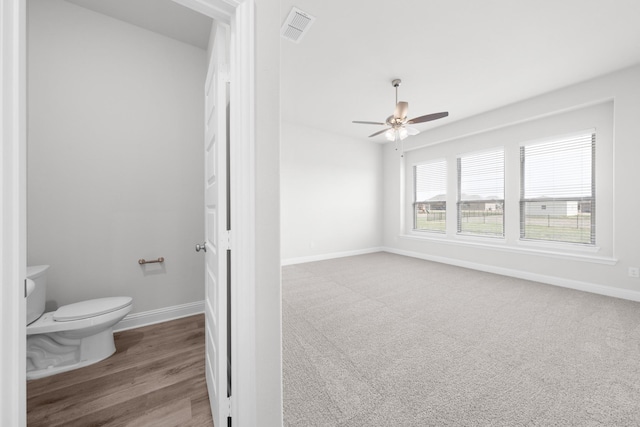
(395, 83)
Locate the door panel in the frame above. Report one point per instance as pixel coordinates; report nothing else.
(216, 302)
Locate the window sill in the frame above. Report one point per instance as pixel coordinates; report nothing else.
(553, 250)
(558, 246)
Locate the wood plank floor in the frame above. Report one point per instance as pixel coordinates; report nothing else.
(155, 378)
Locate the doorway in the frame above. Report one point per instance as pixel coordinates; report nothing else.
(115, 158)
(241, 17)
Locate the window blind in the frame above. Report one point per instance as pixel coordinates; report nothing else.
(481, 193)
(557, 194)
(430, 197)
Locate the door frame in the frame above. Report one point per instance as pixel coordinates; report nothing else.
(240, 15)
(13, 218)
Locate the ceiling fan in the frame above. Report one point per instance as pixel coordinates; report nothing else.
(398, 123)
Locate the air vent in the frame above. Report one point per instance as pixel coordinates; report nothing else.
(296, 25)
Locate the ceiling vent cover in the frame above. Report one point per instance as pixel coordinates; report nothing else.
(296, 25)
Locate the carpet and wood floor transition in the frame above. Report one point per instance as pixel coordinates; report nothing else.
(155, 378)
(386, 340)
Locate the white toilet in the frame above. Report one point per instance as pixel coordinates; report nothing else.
(74, 335)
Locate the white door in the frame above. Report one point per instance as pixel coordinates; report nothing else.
(216, 245)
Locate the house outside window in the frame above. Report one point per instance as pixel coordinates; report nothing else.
(481, 193)
(430, 196)
(557, 188)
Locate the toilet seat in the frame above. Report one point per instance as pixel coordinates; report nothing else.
(117, 308)
(90, 308)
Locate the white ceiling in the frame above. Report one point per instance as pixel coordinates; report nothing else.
(461, 56)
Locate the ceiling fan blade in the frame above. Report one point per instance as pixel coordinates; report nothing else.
(411, 131)
(367, 123)
(401, 110)
(378, 133)
(428, 118)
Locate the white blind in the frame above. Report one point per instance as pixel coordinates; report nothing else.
(559, 169)
(431, 181)
(481, 176)
(430, 202)
(481, 193)
(558, 190)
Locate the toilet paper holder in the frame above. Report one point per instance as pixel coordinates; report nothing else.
(151, 261)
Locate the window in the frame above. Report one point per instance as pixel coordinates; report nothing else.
(481, 193)
(430, 198)
(557, 192)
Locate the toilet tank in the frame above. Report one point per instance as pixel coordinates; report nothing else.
(37, 297)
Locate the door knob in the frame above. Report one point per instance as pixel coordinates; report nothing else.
(201, 247)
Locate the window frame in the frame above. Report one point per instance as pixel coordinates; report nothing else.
(598, 115)
(444, 162)
(460, 202)
(592, 199)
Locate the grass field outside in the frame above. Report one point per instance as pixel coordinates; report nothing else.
(570, 228)
(482, 222)
(431, 221)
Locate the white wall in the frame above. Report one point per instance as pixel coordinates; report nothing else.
(331, 198)
(268, 335)
(115, 160)
(603, 270)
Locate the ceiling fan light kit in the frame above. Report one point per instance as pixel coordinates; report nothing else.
(392, 134)
(397, 122)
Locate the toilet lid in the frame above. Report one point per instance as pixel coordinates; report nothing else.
(90, 308)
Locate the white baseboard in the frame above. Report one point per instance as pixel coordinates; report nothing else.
(549, 280)
(301, 260)
(145, 318)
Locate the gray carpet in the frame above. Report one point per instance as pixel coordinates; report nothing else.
(386, 340)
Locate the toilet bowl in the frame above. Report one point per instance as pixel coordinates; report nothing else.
(74, 335)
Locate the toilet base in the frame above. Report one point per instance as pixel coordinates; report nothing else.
(56, 352)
